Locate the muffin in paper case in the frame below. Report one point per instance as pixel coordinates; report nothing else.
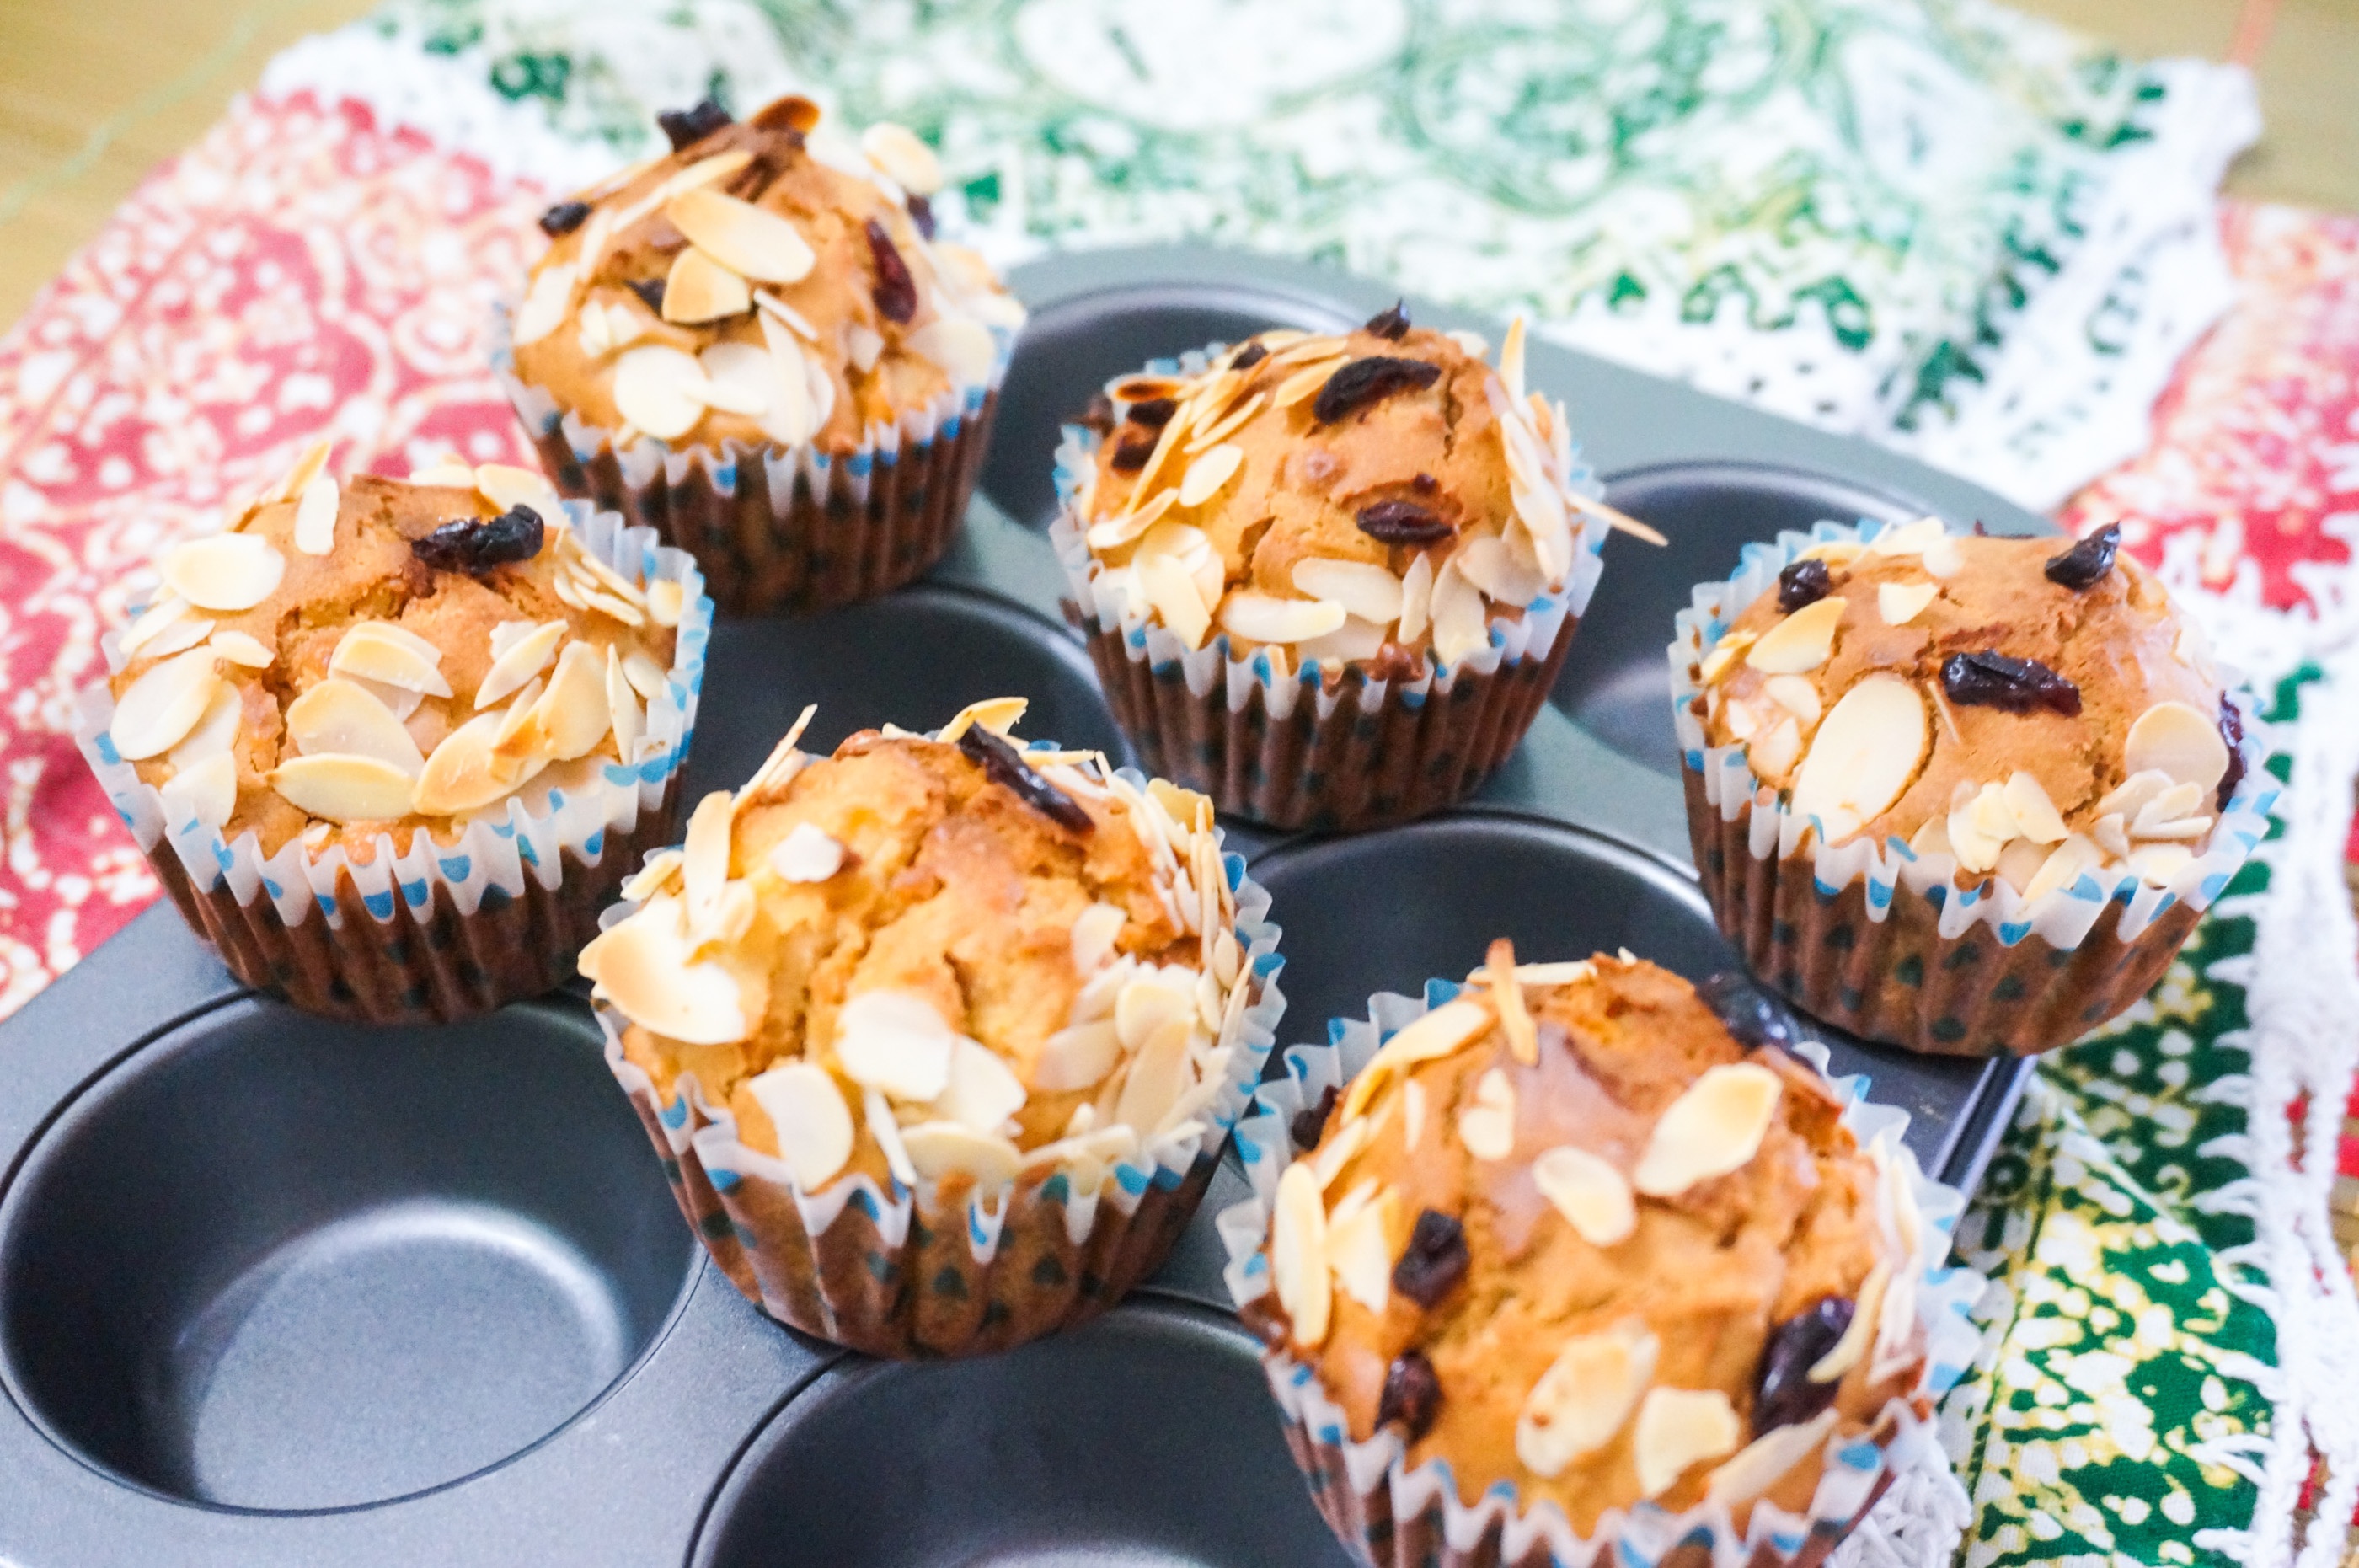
(1876, 937)
(439, 931)
(908, 1265)
(1318, 737)
(1399, 1517)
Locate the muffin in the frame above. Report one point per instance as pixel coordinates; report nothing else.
(403, 741)
(1965, 795)
(756, 346)
(1583, 1264)
(943, 1037)
(1328, 580)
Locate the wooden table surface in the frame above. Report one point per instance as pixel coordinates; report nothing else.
(95, 93)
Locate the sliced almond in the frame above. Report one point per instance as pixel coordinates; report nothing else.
(660, 390)
(343, 787)
(216, 731)
(1713, 1128)
(1801, 642)
(643, 967)
(813, 1124)
(1772, 754)
(1901, 603)
(1585, 1397)
(784, 380)
(964, 348)
(307, 468)
(204, 793)
(315, 515)
(1592, 1195)
(1439, 1033)
(623, 707)
(1678, 1429)
(1208, 473)
(2130, 797)
(1158, 1074)
(2035, 815)
(1473, 345)
(573, 713)
(2063, 866)
(1416, 601)
(751, 241)
(178, 636)
(465, 773)
(1724, 655)
(1794, 694)
(1095, 932)
(451, 471)
(808, 854)
(1172, 594)
(699, 289)
(169, 610)
(1262, 618)
(2020, 861)
(1507, 1001)
(240, 649)
(2111, 834)
(705, 859)
(1305, 383)
(525, 657)
(2160, 864)
(666, 600)
(741, 378)
(1866, 750)
(940, 1150)
(1336, 1151)
(1363, 587)
(1298, 1255)
(390, 656)
(1908, 538)
(2168, 738)
(1359, 1254)
(1459, 629)
(983, 1091)
(160, 708)
(1077, 1057)
(1148, 1002)
(340, 716)
(863, 346)
(894, 1042)
(544, 303)
(1356, 641)
(1120, 530)
(1491, 564)
(1763, 1462)
(222, 573)
(1487, 1126)
(901, 158)
(1846, 1352)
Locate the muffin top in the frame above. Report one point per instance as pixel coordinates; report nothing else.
(2034, 710)
(941, 957)
(762, 282)
(367, 656)
(1377, 496)
(1577, 1231)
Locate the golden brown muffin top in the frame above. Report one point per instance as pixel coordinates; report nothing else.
(1568, 1232)
(759, 283)
(1376, 495)
(945, 955)
(367, 656)
(2034, 709)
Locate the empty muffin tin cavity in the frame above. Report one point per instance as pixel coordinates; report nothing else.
(1148, 1439)
(273, 1262)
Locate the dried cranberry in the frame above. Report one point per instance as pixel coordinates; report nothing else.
(563, 218)
(1005, 765)
(896, 291)
(2088, 560)
(2017, 685)
(1391, 323)
(1098, 414)
(1750, 1014)
(651, 289)
(1131, 452)
(921, 215)
(1310, 1123)
(1403, 522)
(476, 545)
(1154, 412)
(1254, 355)
(1412, 1394)
(2232, 730)
(1783, 1393)
(1435, 1261)
(686, 127)
(1803, 582)
(1364, 381)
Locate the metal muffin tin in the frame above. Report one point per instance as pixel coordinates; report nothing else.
(275, 1291)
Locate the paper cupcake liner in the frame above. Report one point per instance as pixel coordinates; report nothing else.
(896, 1270)
(1306, 749)
(443, 930)
(781, 529)
(1401, 1517)
(1874, 939)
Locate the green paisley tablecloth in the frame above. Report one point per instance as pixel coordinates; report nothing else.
(1931, 223)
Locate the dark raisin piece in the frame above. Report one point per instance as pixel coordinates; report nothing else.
(1434, 1261)
(1154, 413)
(651, 289)
(1365, 381)
(2232, 730)
(1391, 323)
(686, 127)
(896, 291)
(476, 545)
(1394, 662)
(1425, 483)
(1099, 415)
(1403, 522)
(1803, 582)
(2018, 685)
(1412, 1394)
(1746, 1011)
(1310, 1122)
(1005, 765)
(1254, 355)
(2086, 561)
(563, 218)
(921, 215)
(1783, 1393)
(749, 183)
(1131, 452)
